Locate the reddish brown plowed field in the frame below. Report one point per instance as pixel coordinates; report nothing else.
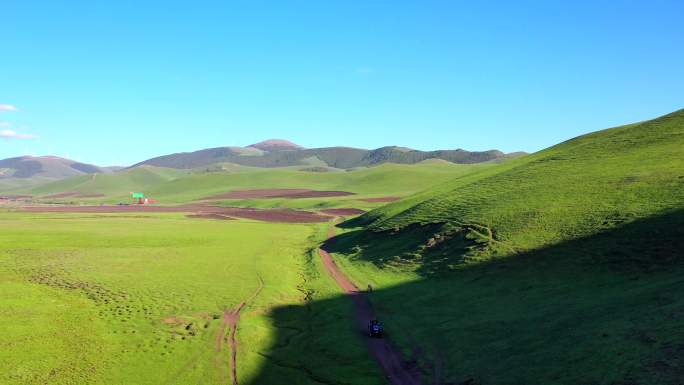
(15, 197)
(278, 193)
(267, 215)
(398, 371)
(343, 211)
(111, 209)
(210, 216)
(276, 215)
(381, 199)
(72, 194)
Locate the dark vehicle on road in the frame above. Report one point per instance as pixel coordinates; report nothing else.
(375, 329)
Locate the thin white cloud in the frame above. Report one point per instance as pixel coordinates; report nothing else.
(11, 134)
(4, 124)
(7, 108)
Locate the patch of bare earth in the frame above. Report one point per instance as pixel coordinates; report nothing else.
(210, 216)
(278, 215)
(15, 197)
(172, 321)
(278, 193)
(344, 212)
(266, 215)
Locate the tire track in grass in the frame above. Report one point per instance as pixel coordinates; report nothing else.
(230, 322)
(177, 375)
(398, 372)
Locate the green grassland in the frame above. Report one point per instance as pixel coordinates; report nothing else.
(562, 267)
(118, 183)
(138, 299)
(171, 186)
(15, 184)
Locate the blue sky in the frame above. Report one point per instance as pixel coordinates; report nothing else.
(121, 81)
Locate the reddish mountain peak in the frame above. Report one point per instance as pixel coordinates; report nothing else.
(276, 144)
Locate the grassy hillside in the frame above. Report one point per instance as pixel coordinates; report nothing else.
(14, 184)
(338, 157)
(113, 184)
(30, 171)
(576, 188)
(171, 186)
(562, 267)
(381, 180)
(44, 166)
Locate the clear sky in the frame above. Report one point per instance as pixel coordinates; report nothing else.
(115, 82)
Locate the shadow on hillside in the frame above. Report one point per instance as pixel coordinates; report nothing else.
(438, 249)
(605, 309)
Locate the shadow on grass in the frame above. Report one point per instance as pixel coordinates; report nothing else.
(605, 309)
(439, 249)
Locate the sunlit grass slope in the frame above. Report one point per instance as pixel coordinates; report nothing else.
(170, 186)
(375, 181)
(121, 182)
(576, 188)
(130, 299)
(563, 267)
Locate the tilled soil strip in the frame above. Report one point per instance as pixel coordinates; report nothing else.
(343, 211)
(278, 193)
(13, 197)
(267, 215)
(390, 360)
(210, 216)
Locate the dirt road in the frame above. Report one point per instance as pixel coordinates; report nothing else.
(396, 369)
(230, 322)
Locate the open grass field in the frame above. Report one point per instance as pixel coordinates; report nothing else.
(148, 299)
(170, 186)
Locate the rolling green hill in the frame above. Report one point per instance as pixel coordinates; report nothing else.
(562, 267)
(44, 166)
(573, 189)
(265, 155)
(118, 183)
(28, 171)
(172, 186)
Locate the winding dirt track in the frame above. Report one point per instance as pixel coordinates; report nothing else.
(230, 322)
(390, 360)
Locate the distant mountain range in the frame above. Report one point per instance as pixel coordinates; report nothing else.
(282, 153)
(25, 171)
(46, 167)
